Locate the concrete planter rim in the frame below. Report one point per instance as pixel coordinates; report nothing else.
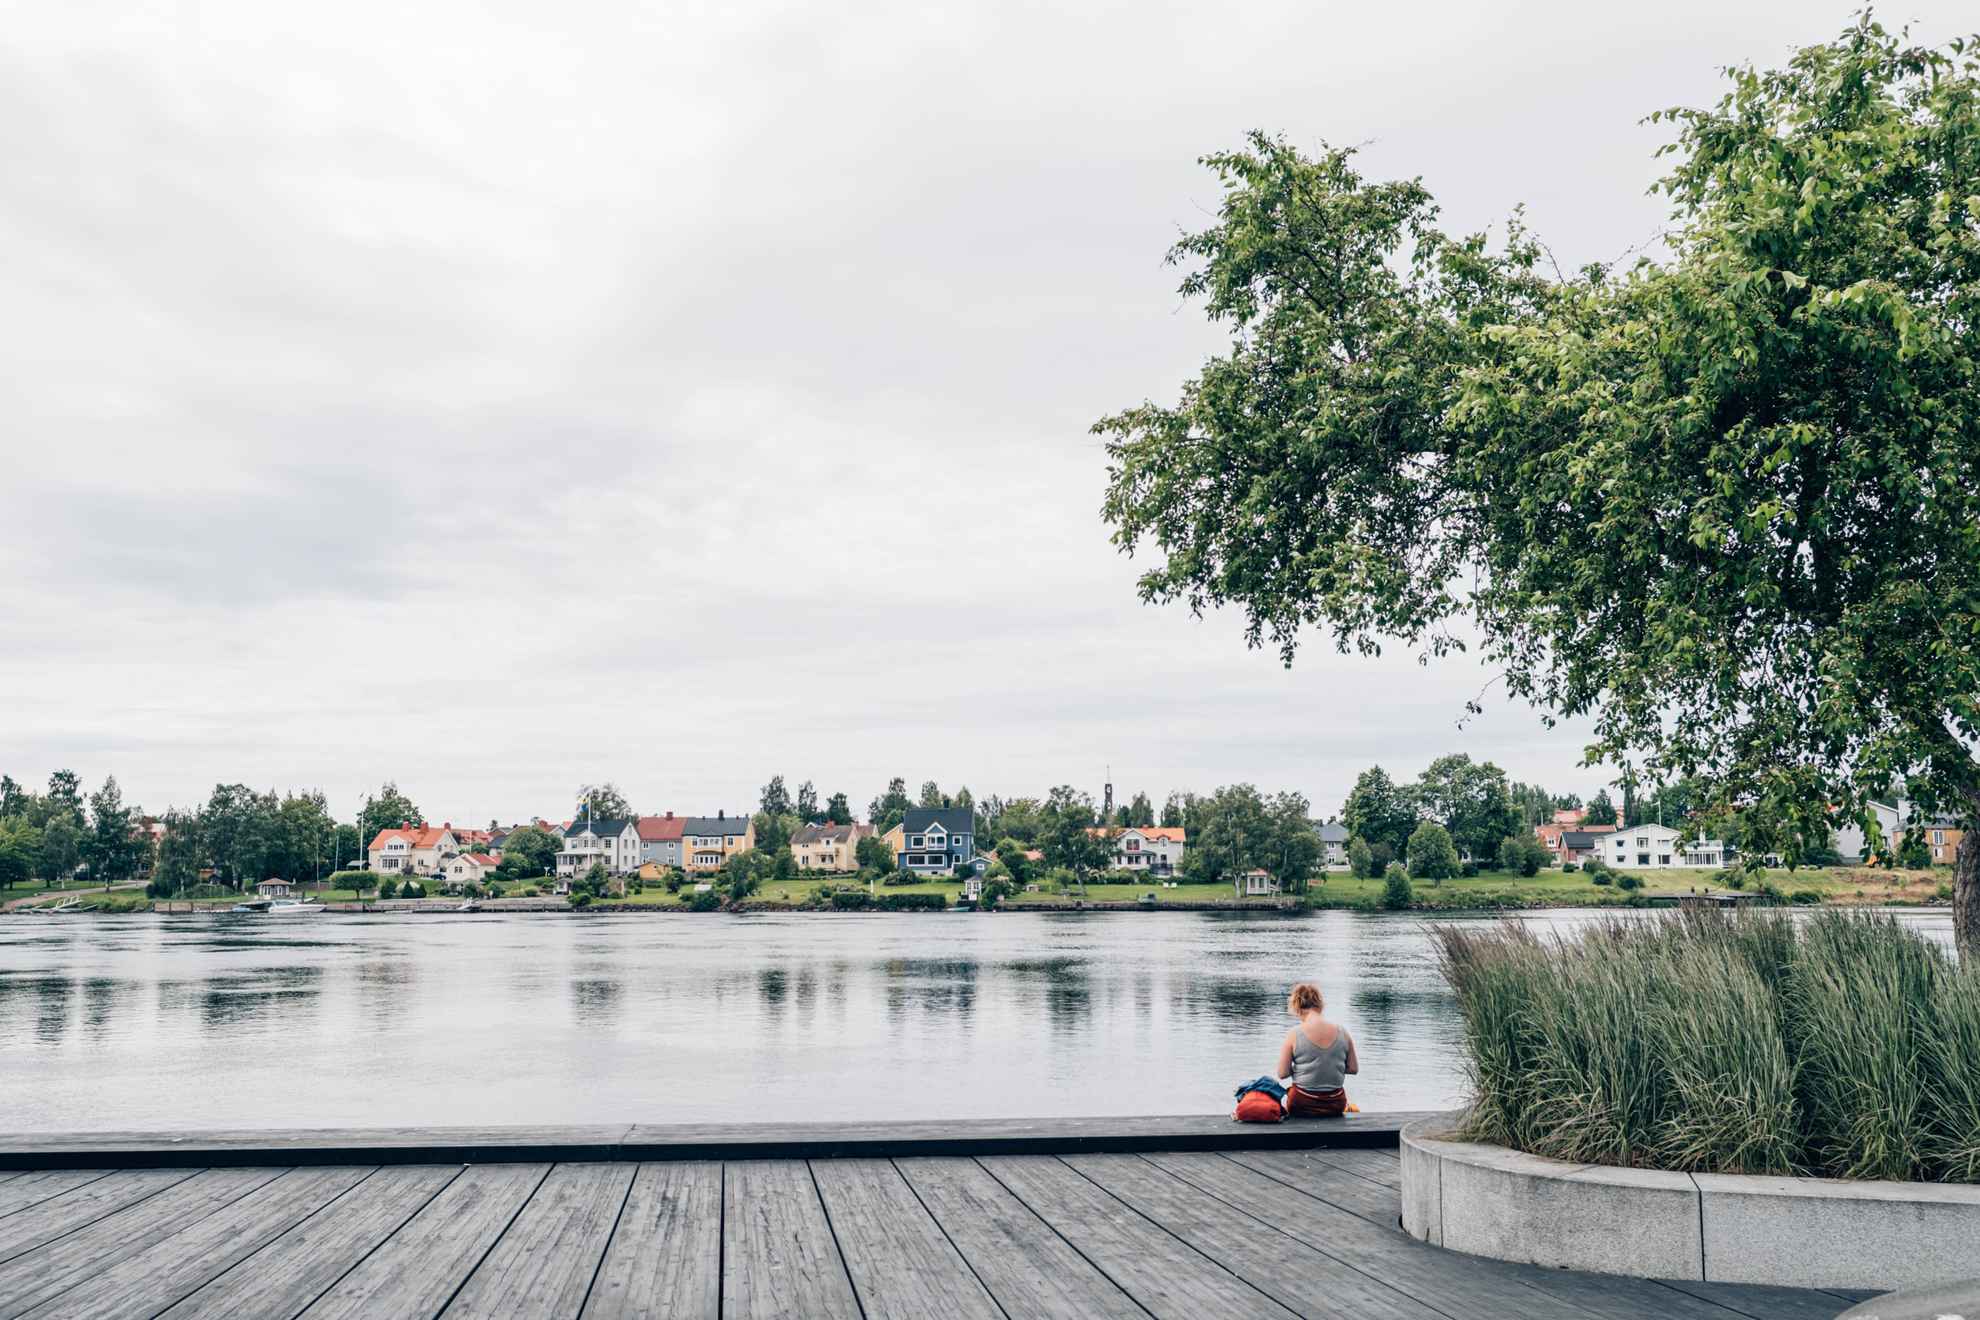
(1713, 1227)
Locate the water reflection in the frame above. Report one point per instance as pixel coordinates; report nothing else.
(529, 1019)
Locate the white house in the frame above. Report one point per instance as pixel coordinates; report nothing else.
(273, 888)
(614, 842)
(1155, 849)
(470, 868)
(1333, 846)
(1649, 847)
(412, 850)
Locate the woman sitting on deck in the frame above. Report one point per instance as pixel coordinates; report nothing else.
(1318, 1056)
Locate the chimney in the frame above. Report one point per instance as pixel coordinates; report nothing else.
(670, 815)
(721, 815)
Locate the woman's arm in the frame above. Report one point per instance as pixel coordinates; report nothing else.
(1353, 1059)
(1285, 1058)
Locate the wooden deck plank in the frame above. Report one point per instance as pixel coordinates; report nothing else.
(1026, 1266)
(52, 1269)
(665, 1258)
(1382, 1166)
(690, 1141)
(1756, 1301)
(1444, 1281)
(64, 1214)
(298, 1267)
(30, 1189)
(902, 1265)
(543, 1265)
(417, 1269)
(147, 1281)
(1379, 1205)
(1596, 1295)
(778, 1256)
(1290, 1272)
(1168, 1278)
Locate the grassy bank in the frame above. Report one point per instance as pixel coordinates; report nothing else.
(1845, 1047)
(1489, 891)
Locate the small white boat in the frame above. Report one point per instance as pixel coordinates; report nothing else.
(469, 906)
(293, 907)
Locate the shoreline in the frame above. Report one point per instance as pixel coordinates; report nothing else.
(544, 906)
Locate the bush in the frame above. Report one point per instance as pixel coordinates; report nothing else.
(1945, 893)
(912, 902)
(1628, 883)
(851, 900)
(705, 900)
(578, 898)
(355, 881)
(1841, 1046)
(1432, 855)
(1469, 870)
(1567, 868)
(1397, 893)
(388, 888)
(1361, 859)
(1805, 896)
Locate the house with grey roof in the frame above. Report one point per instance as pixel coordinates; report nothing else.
(1333, 846)
(935, 840)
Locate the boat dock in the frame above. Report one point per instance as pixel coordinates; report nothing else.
(1134, 1218)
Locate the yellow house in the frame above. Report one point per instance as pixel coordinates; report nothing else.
(828, 847)
(708, 841)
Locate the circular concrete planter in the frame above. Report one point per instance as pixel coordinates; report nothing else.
(1712, 1227)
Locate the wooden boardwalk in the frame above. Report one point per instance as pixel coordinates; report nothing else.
(1273, 1232)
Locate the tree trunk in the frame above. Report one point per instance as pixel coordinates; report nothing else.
(1966, 895)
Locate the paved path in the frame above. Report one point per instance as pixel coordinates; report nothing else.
(1271, 1233)
(48, 895)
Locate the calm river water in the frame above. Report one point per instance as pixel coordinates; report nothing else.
(208, 1021)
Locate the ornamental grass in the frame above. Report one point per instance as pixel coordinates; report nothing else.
(1843, 1045)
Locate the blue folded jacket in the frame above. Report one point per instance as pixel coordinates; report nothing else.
(1265, 1084)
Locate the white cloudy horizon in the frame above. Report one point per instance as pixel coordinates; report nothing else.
(495, 399)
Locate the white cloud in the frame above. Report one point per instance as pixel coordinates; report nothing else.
(494, 397)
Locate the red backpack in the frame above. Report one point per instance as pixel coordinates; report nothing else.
(1258, 1107)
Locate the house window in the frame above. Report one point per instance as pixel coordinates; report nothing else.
(1663, 859)
(1643, 859)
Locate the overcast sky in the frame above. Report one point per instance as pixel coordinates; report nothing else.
(499, 396)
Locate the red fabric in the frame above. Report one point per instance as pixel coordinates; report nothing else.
(1257, 1107)
(1316, 1104)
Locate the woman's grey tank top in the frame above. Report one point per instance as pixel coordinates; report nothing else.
(1317, 1069)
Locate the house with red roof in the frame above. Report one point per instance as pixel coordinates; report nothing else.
(412, 849)
(1154, 849)
(660, 839)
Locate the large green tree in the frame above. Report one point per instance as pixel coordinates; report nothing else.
(886, 811)
(1067, 838)
(113, 846)
(386, 809)
(1471, 800)
(1722, 502)
(1379, 810)
(605, 801)
(528, 852)
(20, 851)
(1238, 828)
(61, 848)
